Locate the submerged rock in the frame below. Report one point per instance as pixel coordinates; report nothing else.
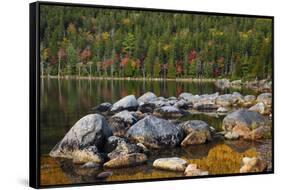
(168, 112)
(253, 165)
(127, 103)
(88, 131)
(126, 160)
(172, 164)
(192, 170)
(198, 132)
(154, 132)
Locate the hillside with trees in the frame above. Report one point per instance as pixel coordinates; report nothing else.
(80, 41)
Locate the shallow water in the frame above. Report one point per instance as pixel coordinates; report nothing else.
(63, 102)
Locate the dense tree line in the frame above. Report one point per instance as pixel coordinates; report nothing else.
(120, 43)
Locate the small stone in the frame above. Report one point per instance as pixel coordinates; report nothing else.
(126, 160)
(192, 170)
(105, 174)
(173, 164)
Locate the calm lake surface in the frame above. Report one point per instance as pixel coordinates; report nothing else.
(63, 102)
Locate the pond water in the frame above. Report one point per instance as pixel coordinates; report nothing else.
(63, 102)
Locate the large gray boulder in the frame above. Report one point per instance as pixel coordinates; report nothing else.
(127, 103)
(242, 122)
(154, 132)
(91, 130)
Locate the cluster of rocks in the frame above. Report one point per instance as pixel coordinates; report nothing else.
(123, 134)
(255, 164)
(178, 165)
(258, 85)
(173, 107)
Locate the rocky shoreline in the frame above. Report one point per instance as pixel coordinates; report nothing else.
(125, 133)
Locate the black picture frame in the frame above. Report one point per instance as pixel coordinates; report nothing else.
(34, 92)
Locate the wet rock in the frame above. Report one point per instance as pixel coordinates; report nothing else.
(103, 107)
(260, 108)
(168, 112)
(89, 154)
(154, 132)
(265, 98)
(112, 142)
(192, 170)
(249, 100)
(172, 164)
(198, 132)
(127, 103)
(147, 97)
(88, 131)
(243, 121)
(253, 165)
(104, 174)
(126, 160)
(223, 83)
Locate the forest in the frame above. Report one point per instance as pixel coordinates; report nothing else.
(94, 42)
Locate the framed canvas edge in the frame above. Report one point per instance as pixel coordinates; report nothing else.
(34, 92)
